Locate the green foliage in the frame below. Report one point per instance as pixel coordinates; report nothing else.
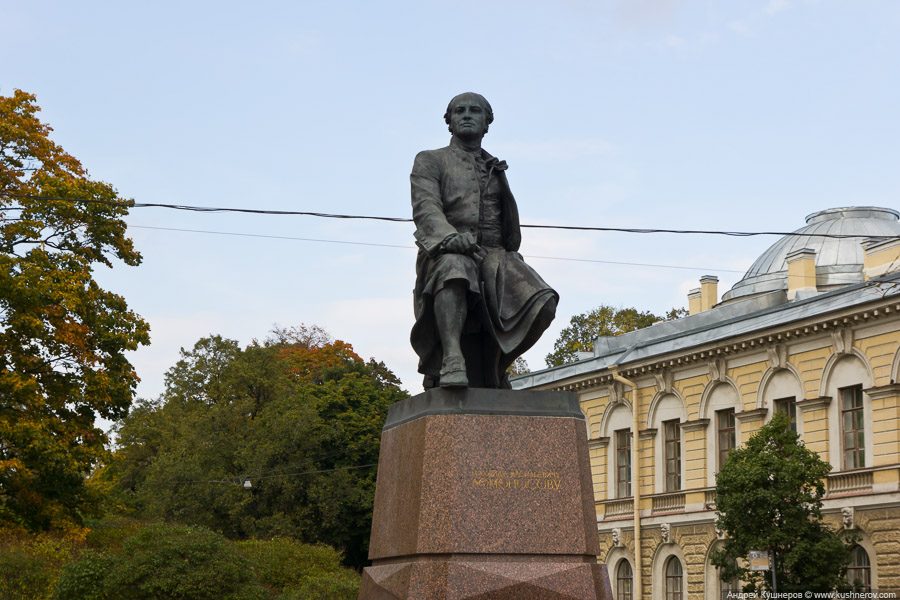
(604, 320)
(676, 313)
(769, 497)
(296, 415)
(62, 338)
(84, 579)
(301, 571)
(123, 558)
(519, 367)
(109, 533)
(30, 563)
(163, 562)
(24, 575)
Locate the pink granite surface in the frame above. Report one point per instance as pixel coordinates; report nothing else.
(485, 507)
(473, 580)
(484, 484)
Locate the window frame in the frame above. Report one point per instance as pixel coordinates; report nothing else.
(856, 414)
(623, 440)
(624, 584)
(788, 405)
(864, 569)
(730, 429)
(672, 455)
(674, 586)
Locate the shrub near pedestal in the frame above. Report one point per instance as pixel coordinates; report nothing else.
(164, 562)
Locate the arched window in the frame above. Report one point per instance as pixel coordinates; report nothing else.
(726, 587)
(859, 571)
(624, 580)
(674, 576)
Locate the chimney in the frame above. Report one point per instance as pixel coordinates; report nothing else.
(882, 256)
(709, 295)
(801, 272)
(694, 301)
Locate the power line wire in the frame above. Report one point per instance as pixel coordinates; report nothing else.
(315, 472)
(274, 237)
(333, 455)
(211, 209)
(240, 478)
(409, 247)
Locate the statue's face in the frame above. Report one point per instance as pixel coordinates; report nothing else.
(468, 118)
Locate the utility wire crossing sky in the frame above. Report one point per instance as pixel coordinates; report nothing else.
(258, 211)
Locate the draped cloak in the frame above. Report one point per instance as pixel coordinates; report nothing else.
(455, 191)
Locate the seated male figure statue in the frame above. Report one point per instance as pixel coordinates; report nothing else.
(478, 305)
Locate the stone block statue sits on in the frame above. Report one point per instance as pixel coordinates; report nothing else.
(478, 305)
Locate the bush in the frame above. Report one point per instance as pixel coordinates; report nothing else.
(163, 562)
(83, 579)
(23, 575)
(301, 571)
(109, 534)
(30, 564)
(124, 559)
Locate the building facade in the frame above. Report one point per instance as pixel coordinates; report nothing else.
(813, 329)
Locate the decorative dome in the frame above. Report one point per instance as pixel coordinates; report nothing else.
(839, 261)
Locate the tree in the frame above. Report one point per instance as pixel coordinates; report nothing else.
(519, 367)
(769, 497)
(299, 416)
(62, 338)
(604, 320)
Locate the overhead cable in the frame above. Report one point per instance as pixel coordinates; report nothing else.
(236, 479)
(410, 247)
(210, 209)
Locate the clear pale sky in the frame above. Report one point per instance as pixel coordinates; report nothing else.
(724, 115)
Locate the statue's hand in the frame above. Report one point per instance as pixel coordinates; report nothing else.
(458, 243)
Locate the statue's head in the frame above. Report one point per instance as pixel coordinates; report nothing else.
(468, 106)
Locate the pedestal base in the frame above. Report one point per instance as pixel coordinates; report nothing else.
(466, 579)
(485, 494)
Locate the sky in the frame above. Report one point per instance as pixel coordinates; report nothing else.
(742, 115)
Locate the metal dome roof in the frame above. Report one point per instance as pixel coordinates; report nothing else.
(839, 261)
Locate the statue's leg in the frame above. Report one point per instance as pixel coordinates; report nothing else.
(450, 311)
(547, 314)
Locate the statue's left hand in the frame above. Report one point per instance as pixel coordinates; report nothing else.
(458, 243)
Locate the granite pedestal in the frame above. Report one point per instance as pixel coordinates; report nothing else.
(484, 494)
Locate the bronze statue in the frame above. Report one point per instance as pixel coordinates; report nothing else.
(478, 305)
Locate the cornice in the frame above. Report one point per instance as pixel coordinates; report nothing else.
(751, 415)
(883, 391)
(784, 334)
(598, 443)
(813, 403)
(696, 425)
(647, 434)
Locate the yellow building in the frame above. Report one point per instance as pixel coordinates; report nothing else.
(813, 329)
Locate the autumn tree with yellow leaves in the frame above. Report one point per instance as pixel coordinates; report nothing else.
(62, 337)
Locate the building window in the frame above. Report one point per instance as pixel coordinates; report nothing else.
(852, 427)
(725, 428)
(731, 586)
(789, 406)
(673, 579)
(624, 580)
(859, 571)
(623, 463)
(672, 431)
